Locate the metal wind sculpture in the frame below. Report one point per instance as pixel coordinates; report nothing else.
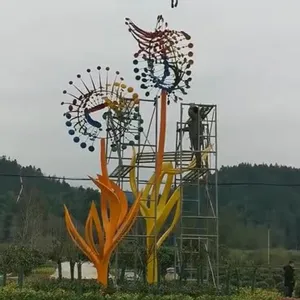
(115, 222)
(164, 67)
(163, 61)
(109, 108)
(103, 108)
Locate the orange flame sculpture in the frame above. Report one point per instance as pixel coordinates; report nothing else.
(115, 222)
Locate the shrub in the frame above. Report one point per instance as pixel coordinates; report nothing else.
(297, 290)
(17, 257)
(79, 287)
(257, 294)
(11, 293)
(44, 271)
(168, 288)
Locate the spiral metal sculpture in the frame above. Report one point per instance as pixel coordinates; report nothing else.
(101, 109)
(164, 59)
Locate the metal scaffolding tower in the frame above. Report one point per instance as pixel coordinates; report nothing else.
(197, 236)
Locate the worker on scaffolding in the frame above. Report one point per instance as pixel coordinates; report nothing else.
(195, 128)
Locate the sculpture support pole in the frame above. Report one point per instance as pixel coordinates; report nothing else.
(152, 276)
(162, 132)
(152, 273)
(102, 272)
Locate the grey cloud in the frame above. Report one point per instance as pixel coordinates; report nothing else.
(246, 61)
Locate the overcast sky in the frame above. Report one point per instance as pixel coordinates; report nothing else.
(247, 61)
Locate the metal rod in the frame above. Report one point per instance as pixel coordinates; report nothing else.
(217, 198)
(155, 186)
(181, 194)
(268, 245)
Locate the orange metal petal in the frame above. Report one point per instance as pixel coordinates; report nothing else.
(121, 197)
(103, 206)
(77, 239)
(88, 234)
(130, 219)
(122, 202)
(114, 213)
(94, 220)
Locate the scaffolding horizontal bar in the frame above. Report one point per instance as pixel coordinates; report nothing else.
(121, 171)
(140, 236)
(186, 236)
(191, 201)
(149, 157)
(206, 239)
(195, 174)
(204, 109)
(198, 217)
(113, 157)
(205, 121)
(195, 169)
(139, 145)
(183, 183)
(200, 183)
(199, 104)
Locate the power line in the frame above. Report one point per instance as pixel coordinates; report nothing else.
(46, 177)
(210, 183)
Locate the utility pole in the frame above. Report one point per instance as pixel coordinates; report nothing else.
(268, 235)
(269, 244)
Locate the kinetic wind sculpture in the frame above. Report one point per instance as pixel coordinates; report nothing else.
(120, 121)
(164, 67)
(115, 221)
(164, 60)
(103, 108)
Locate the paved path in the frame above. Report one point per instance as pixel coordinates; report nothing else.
(88, 271)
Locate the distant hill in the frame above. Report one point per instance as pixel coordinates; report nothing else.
(245, 210)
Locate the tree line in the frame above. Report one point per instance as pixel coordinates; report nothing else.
(246, 211)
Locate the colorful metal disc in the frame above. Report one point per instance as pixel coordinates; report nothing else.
(103, 108)
(164, 59)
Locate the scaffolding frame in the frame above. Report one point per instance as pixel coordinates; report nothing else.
(203, 239)
(181, 157)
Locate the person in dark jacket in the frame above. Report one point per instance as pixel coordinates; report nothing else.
(195, 128)
(289, 279)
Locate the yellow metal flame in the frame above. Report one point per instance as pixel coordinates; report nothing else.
(156, 207)
(155, 216)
